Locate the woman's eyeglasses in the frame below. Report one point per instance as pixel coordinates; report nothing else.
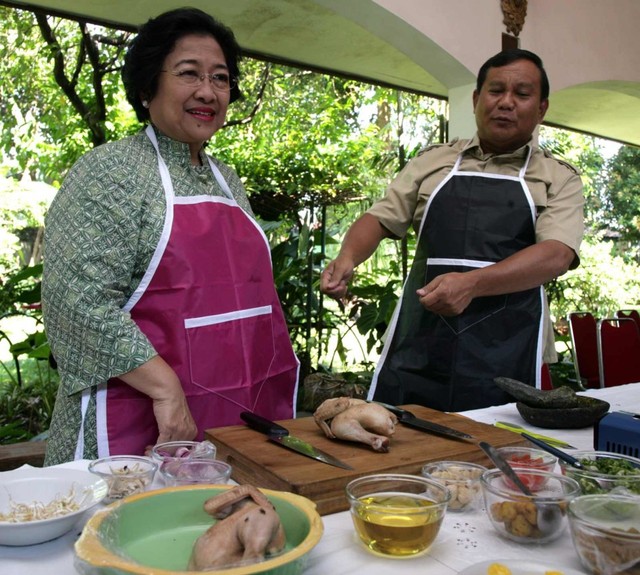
(220, 81)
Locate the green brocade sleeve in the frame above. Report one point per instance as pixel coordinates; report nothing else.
(95, 252)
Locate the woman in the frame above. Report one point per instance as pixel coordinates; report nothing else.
(158, 292)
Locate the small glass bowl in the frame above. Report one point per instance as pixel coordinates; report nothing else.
(593, 481)
(124, 474)
(397, 515)
(181, 450)
(195, 471)
(605, 530)
(538, 518)
(461, 478)
(525, 458)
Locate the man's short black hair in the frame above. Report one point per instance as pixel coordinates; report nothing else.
(509, 56)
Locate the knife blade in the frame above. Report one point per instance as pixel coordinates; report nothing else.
(503, 465)
(521, 430)
(408, 418)
(280, 435)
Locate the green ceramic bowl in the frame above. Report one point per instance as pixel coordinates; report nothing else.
(153, 533)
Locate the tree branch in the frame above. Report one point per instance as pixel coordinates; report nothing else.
(264, 80)
(96, 129)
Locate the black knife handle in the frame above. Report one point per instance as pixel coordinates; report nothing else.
(263, 425)
(401, 414)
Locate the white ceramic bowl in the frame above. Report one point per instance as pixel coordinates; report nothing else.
(30, 485)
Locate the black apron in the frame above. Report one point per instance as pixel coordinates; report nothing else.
(471, 220)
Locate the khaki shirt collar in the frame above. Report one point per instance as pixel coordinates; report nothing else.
(474, 148)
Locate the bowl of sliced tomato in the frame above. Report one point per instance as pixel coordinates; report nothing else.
(523, 459)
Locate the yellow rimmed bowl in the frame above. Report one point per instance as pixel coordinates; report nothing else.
(153, 533)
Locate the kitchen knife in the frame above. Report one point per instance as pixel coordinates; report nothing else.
(280, 435)
(554, 450)
(521, 430)
(411, 420)
(408, 418)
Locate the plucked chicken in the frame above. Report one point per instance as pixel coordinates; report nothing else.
(356, 420)
(248, 529)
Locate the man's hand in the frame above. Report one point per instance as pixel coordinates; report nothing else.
(335, 278)
(360, 242)
(448, 294)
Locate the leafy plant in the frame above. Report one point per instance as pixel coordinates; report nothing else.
(28, 384)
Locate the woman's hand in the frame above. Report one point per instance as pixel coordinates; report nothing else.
(173, 417)
(157, 380)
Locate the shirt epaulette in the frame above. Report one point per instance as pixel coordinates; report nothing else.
(566, 164)
(450, 144)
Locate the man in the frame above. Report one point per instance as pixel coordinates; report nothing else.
(496, 218)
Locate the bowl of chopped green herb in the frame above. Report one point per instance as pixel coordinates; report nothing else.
(604, 472)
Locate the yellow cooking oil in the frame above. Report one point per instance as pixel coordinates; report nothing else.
(397, 524)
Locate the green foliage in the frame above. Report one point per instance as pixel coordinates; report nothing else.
(42, 132)
(585, 153)
(22, 209)
(620, 201)
(602, 284)
(28, 383)
(25, 410)
(314, 152)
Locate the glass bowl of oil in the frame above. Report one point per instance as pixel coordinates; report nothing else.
(397, 515)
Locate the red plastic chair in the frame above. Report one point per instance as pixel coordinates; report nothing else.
(629, 313)
(618, 351)
(584, 339)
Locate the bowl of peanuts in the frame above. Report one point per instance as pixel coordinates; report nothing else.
(462, 479)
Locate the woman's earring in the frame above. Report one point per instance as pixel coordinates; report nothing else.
(145, 103)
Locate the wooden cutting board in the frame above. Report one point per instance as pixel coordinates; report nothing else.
(257, 461)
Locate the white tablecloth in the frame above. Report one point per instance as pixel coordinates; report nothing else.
(465, 538)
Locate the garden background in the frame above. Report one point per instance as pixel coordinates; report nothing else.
(314, 151)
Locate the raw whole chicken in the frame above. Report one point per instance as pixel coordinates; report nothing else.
(356, 420)
(248, 529)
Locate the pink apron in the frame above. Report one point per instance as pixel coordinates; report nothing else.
(208, 305)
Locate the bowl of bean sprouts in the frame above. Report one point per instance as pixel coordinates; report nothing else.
(124, 474)
(41, 504)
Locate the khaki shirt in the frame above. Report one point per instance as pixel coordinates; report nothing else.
(555, 186)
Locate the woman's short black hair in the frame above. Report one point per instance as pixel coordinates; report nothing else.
(157, 38)
(509, 56)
